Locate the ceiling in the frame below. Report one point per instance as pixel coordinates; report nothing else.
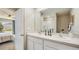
(54, 10)
(7, 12)
(14, 9)
(10, 12)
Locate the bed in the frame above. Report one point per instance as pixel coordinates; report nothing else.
(4, 37)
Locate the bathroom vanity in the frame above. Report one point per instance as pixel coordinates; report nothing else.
(31, 22)
(62, 25)
(36, 41)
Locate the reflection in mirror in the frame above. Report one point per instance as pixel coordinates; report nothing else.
(64, 22)
(57, 20)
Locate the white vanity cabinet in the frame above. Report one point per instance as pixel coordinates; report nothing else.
(51, 45)
(38, 43)
(34, 43)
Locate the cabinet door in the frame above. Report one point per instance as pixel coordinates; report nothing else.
(38, 44)
(30, 44)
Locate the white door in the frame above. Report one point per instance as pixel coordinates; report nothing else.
(19, 29)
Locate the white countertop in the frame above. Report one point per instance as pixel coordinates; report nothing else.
(56, 37)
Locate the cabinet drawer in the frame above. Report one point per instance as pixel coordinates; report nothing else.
(59, 46)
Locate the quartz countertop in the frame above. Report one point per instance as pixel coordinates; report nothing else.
(56, 37)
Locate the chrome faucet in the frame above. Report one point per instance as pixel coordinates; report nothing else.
(49, 32)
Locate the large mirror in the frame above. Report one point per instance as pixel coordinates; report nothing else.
(57, 19)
